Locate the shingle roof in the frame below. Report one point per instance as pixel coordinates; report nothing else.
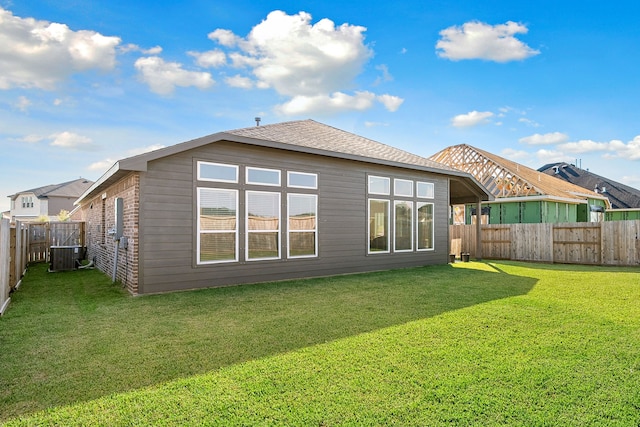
(314, 135)
(621, 196)
(306, 136)
(66, 189)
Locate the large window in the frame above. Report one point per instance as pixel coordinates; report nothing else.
(217, 225)
(228, 214)
(302, 226)
(378, 226)
(263, 225)
(424, 226)
(403, 230)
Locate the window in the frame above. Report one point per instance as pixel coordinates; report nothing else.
(403, 187)
(263, 176)
(217, 172)
(424, 225)
(379, 185)
(27, 201)
(403, 231)
(217, 225)
(425, 190)
(302, 180)
(302, 231)
(378, 226)
(263, 225)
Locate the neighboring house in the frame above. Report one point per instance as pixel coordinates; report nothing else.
(281, 201)
(625, 200)
(522, 194)
(46, 201)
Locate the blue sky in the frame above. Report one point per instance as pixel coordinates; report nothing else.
(85, 83)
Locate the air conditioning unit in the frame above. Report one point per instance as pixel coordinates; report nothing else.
(63, 258)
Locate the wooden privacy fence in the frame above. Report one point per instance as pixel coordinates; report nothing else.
(43, 235)
(601, 243)
(13, 259)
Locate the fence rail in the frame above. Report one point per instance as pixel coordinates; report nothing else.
(602, 243)
(46, 234)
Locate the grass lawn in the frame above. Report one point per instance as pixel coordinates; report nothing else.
(495, 343)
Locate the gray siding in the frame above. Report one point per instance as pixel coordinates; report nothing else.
(168, 219)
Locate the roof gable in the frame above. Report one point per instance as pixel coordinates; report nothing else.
(70, 189)
(506, 178)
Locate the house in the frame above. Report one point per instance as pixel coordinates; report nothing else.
(46, 201)
(625, 200)
(522, 194)
(281, 201)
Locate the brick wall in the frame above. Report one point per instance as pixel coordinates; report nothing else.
(99, 215)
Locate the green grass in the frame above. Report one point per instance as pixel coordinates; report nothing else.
(498, 343)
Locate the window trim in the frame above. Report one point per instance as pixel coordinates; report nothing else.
(199, 231)
(254, 168)
(199, 163)
(428, 184)
(315, 175)
(433, 227)
(248, 231)
(315, 231)
(395, 228)
(385, 178)
(395, 188)
(388, 225)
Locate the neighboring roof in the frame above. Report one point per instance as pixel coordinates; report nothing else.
(508, 179)
(621, 196)
(71, 189)
(305, 136)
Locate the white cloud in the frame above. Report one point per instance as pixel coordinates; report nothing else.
(101, 165)
(337, 101)
(529, 122)
(584, 146)
(545, 139)
(142, 150)
(239, 81)
(477, 40)
(472, 118)
(551, 156)
(385, 77)
(71, 141)
(224, 37)
(311, 64)
(130, 47)
(23, 104)
(39, 54)
(163, 77)
(515, 155)
(390, 102)
(210, 59)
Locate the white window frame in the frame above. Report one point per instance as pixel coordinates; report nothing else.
(248, 231)
(314, 175)
(388, 236)
(384, 178)
(289, 231)
(201, 178)
(433, 226)
(411, 222)
(428, 185)
(200, 231)
(395, 187)
(252, 168)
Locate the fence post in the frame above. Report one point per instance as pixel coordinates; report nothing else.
(5, 265)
